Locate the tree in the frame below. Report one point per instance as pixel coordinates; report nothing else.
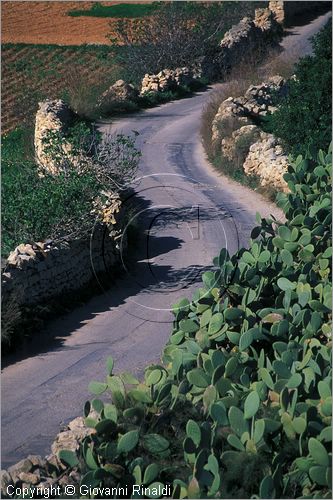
(176, 35)
(303, 119)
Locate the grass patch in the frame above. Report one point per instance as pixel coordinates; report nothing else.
(121, 10)
(33, 206)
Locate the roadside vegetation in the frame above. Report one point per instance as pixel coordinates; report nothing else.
(241, 404)
(303, 118)
(37, 207)
(244, 385)
(244, 390)
(81, 73)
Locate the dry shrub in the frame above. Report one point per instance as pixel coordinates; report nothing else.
(83, 96)
(239, 80)
(11, 315)
(279, 64)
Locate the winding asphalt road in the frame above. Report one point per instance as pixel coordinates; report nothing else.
(185, 213)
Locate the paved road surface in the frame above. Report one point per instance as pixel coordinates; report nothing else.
(188, 213)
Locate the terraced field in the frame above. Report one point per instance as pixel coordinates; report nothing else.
(47, 53)
(34, 72)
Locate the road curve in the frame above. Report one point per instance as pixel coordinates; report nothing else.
(186, 213)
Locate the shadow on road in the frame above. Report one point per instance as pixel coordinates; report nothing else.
(140, 276)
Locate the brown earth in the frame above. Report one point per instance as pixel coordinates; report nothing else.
(36, 71)
(47, 22)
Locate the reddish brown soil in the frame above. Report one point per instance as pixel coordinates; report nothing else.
(48, 23)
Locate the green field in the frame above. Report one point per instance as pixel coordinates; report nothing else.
(122, 10)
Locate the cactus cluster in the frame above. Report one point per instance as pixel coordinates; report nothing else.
(241, 405)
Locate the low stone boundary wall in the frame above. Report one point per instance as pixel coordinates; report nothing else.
(36, 273)
(237, 138)
(246, 36)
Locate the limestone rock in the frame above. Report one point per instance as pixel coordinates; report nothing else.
(277, 8)
(236, 147)
(5, 481)
(24, 465)
(22, 256)
(238, 41)
(258, 99)
(267, 160)
(168, 80)
(266, 21)
(53, 117)
(29, 477)
(53, 464)
(230, 116)
(237, 34)
(246, 36)
(37, 460)
(120, 91)
(69, 439)
(235, 113)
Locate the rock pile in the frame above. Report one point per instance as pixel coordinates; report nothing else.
(120, 92)
(267, 160)
(240, 141)
(47, 474)
(258, 99)
(167, 80)
(234, 113)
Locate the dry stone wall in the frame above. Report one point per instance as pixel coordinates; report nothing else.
(120, 91)
(53, 116)
(267, 160)
(246, 36)
(167, 80)
(36, 273)
(238, 139)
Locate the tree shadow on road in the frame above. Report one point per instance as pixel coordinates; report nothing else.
(139, 277)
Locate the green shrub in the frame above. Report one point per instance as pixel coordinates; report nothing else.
(242, 403)
(303, 119)
(36, 207)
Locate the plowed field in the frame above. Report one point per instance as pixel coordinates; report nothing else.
(49, 23)
(31, 73)
(46, 53)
